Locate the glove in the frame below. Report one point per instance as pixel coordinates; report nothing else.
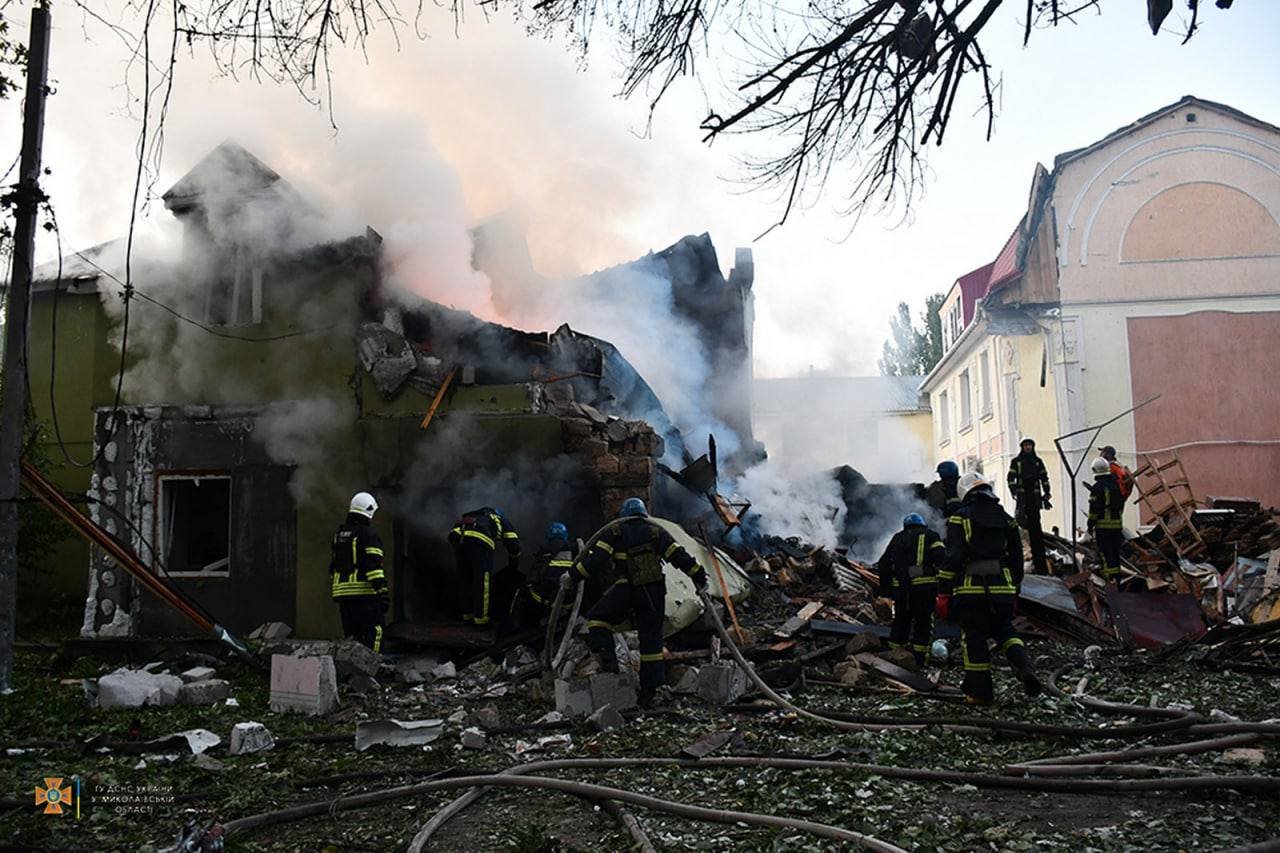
(566, 581)
(700, 581)
(1047, 503)
(942, 605)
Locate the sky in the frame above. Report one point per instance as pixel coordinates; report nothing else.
(491, 121)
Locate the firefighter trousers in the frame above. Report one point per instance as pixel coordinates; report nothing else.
(646, 605)
(1109, 543)
(1029, 519)
(362, 620)
(475, 575)
(913, 618)
(984, 617)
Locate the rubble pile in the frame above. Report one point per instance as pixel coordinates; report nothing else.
(619, 455)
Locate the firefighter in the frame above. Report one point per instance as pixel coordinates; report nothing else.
(358, 584)
(637, 547)
(908, 575)
(1106, 508)
(982, 574)
(941, 493)
(474, 539)
(550, 564)
(1029, 485)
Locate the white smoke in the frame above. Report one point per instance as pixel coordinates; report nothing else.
(784, 505)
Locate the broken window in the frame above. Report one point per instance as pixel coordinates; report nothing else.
(944, 418)
(985, 368)
(234, 297)
(966, 401)
(194, 524)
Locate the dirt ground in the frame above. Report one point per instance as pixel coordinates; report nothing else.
(45, 723)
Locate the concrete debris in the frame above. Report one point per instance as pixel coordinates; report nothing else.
(518, 658)
(573, 697)
(198, 673)
(457, 717)
(416, 669)
(362, 684)
(474, 738)
(616, 689)
(137, 688)
(210, 691)
(551, 717)
(351, 658)
(486, 718)
(900, 657)
(397, 733)
(685, 680)
(1250, 756)
(249, 737)
(606, 719)
(721, 682)
(543, 744)
(308, 685)
(271, 631)
(444, 671)
(199, 740)
(209, 763)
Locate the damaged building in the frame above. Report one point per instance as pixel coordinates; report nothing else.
(264, 387)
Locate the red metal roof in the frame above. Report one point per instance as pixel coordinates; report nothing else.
(1005, 267)
(973, 286)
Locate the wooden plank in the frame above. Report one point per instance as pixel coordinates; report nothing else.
(1272, 578)
(799, 621)
(893, 672)
(435, 404)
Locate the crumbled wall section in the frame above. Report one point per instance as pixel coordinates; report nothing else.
(619, 456)
(121, 504)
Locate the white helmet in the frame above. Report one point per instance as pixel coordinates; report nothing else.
(968, 482)
(364, 504)
(1101, 466)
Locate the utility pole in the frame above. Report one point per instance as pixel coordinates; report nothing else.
(26, 197)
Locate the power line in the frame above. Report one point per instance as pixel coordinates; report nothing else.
(253, 339)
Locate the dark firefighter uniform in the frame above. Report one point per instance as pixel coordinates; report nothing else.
(909, 575)
(539, 592)
(357, 582)
(982, 574)
(474, 539)
(1106, 509)
(941, 495)
(1029, 484)
(636, 548)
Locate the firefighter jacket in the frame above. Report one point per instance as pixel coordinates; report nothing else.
(912, 559)
(1106, 504)
(488, 528)
(1028, 479)
(984, 549)
(637, 548)
(941, 495)
(549, 565)
(355, 561)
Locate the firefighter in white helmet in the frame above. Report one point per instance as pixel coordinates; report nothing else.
(982, 573)
(358, 583)
(1106, 513)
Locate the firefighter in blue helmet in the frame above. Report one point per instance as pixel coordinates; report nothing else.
(550, 564)
(941, 493)
(908, 575)
(983, 572)
(637, 547)
(475, 538)
(357, 582)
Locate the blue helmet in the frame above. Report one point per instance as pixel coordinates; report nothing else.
(948, 469)
(632, 507)
(914, 518)
(499, 513)
(557, 530)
